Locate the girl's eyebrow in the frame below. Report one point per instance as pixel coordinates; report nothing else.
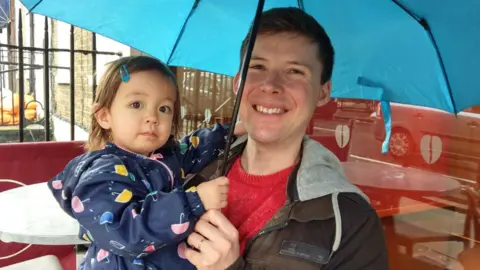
(143, 94)
(136, 93)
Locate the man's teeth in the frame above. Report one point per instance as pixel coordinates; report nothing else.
(269, 110)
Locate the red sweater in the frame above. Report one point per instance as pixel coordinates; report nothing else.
(254, 199)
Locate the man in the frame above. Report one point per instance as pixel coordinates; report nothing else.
(289, 205)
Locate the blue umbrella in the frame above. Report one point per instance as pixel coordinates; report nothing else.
(420, 52)
(4, 13)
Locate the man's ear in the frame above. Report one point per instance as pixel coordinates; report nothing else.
(324, 96)
(236, 81)
(102, 116)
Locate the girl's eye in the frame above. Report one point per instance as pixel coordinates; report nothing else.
(165, 109)
(136, 105)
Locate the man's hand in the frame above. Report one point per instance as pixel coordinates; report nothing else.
(216, 241)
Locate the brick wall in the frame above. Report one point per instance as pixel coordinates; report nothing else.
(199, 90)
(83, 80)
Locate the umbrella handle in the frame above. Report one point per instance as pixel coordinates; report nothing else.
(243, 75)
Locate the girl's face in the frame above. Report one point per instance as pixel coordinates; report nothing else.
(141, 115)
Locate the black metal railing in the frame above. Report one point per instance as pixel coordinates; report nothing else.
(22, 66)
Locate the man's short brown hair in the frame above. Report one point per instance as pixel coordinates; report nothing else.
(296, 21)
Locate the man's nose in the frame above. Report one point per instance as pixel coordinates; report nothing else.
(272, 83)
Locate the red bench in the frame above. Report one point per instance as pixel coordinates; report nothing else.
(31, 163)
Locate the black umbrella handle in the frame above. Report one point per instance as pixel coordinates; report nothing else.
(243, 76)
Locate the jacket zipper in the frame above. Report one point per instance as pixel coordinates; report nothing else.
(267, 230)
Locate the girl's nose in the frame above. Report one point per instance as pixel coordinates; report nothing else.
(152, 119)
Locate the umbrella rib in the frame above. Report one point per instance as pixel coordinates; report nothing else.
(180, 34)
(424, 23)
(442, 66)
(34, 6)
(4, 13)
(300, 5)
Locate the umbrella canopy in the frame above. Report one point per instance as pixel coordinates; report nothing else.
(4, 13)
(420, 52)
(405, 51)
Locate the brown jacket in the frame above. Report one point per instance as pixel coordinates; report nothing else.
(326, 223)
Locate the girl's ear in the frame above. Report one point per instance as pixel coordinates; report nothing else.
(102, 116)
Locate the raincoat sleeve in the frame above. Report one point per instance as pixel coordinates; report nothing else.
(202, 147)
(123, 214)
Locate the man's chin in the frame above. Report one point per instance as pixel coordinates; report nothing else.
(265, 137)
(279, 134)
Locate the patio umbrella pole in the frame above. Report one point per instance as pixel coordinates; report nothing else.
(243, 75)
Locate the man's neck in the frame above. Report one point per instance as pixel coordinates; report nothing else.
(259, 159)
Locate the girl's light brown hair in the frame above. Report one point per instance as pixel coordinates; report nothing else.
(108, 87)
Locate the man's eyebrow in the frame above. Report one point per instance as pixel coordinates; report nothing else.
(254, 57)
(292, 62)
(298, 63)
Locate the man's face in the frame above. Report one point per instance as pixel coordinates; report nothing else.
(282, 89)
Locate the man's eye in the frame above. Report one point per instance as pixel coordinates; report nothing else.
(136, 105)
(261, 67)
(295, 71)
(165, 109)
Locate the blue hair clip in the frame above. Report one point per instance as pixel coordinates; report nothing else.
(124, 73)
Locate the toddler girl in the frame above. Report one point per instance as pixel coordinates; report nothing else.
(126, 191)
